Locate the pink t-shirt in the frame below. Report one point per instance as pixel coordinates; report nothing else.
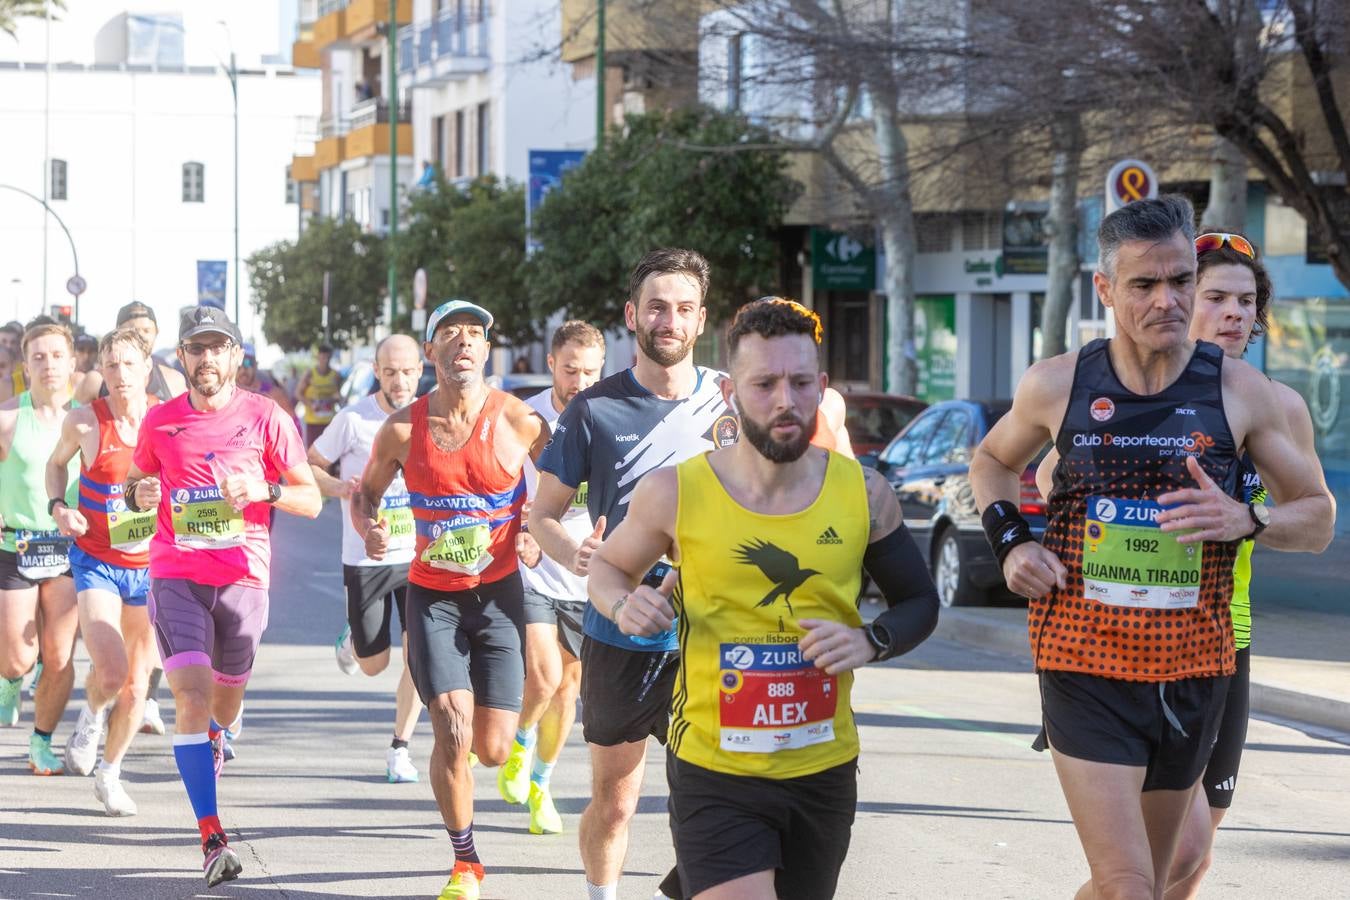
(199, 535)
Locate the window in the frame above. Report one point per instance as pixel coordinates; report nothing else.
(908, 448)
(484, 138)
(459, 145)
(734, 50)
(981, 231)
(291, 192)
(57, 188)
(438, 126)
(194, 182)
(948, 444)
(933, 232)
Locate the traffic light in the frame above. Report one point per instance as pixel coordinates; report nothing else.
(63, 313)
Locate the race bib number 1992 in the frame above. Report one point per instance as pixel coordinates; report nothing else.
(1129, 561)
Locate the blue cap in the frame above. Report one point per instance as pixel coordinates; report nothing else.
(450, 307)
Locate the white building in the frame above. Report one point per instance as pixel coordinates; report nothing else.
(129, 134)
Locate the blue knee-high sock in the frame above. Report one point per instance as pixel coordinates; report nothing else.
(192, 752)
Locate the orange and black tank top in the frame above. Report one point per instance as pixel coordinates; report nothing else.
(116, 535)
(1139, 606)
(466, 505)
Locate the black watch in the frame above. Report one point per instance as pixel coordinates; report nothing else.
(273, 492)
(1260, 514)
(51, 505)
(879, 638)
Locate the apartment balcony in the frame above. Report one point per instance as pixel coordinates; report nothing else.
(342, 22)
(452, 46)
(304, 168)
(368, 133)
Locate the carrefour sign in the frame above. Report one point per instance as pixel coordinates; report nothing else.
(842, 262)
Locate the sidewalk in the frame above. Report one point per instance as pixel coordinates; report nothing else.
(1300, 657)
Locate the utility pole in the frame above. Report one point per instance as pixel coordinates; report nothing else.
(234, 89)
(392, 102)
(600, 74)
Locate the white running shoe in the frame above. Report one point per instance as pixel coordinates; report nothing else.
(346, 656)
(398, 765)
(82, 746)
(109, 791)
(151, 723)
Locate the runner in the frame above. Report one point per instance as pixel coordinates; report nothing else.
(461, 448)
(763, 792)
(210, 462)
(86, 354)
(555, 601)
(319, 389)
(109, 563)
(1152, 433)
(9, 362)
(254, 379)
(661, 411)
(37, 595)
(166, 382)
(375, 589)
(11, 335)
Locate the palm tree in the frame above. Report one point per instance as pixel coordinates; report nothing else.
(11, 11)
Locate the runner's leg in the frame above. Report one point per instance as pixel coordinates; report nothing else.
(60, 621)
(125, 719)
(407, 708)
(1103, 800)
(100, 614)
(1195, 850)
(758, 886)
(616, 784)
(556, 723)
(543, 672)
(18, 632)
(1164, 817)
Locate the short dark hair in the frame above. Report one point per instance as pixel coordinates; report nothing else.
(575, 331)
(669, 261)
(1227, 256)
(772, 317)
(1152, 219)
(15, 328)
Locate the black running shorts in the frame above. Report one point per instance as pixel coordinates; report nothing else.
(1222, 771)
(11, 579)
(373, 593)
(1166, 727)
(468, 641)
(625, 694)
(541, 609)
(728, 826)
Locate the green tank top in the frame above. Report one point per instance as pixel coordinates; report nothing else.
(1253, 491)
(23, 475)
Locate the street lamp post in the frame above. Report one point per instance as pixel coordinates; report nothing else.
(234, 90)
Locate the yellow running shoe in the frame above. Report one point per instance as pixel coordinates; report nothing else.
(544, 818)
(463, 883)
(513, 778)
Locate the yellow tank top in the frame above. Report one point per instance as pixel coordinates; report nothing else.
(321, 396)
(746, 703)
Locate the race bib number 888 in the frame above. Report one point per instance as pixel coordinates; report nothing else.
(772, 699)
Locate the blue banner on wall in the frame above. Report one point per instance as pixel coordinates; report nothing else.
(547, 168)
(212, 275)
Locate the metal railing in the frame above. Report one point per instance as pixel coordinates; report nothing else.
(375, 111)
(309, 12)
(331, 6)
(461, 29)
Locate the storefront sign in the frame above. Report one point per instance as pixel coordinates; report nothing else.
(1025, 251)
(1129, 180)
(841, 262)
(935, 347)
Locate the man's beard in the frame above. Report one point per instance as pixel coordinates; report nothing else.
(662, 357)
(761, 438)
(208, 390)
(389, 401)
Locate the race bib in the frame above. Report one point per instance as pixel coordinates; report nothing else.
(128, 531)
(396, 515)
(204, 520)
(460, 545)
(1129, 561)
(773, 699)
(582, 495)
(41, 554)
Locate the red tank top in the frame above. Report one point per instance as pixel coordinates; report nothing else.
(116, 535)
(824, 436)
(466, 505)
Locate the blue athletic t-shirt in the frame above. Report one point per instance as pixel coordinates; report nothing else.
(616, 431)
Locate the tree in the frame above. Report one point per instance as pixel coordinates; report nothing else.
(11, 11)
(287, 280)
(654, 185)
(471, 241)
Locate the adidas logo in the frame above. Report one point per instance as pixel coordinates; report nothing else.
(829, 536)
(1227, 784)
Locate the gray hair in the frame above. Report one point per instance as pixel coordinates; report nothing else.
(1154, 219)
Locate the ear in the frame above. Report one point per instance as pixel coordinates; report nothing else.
(630, 315)
(729, 396)
(1102, 285)
(549, 360)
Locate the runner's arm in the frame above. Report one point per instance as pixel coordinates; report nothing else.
(645, 535)
(836, 417)
(140, 490)
(328, 485)
(86, 391)
(69, 521)
(551, 500)
(1045, 473)
(1300, 425)
(299, 494)
(386, 456)
(301, 386)
(9, 414)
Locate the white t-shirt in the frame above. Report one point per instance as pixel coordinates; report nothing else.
(550, 578)
(348, 441)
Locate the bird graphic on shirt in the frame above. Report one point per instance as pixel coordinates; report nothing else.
(779, 566)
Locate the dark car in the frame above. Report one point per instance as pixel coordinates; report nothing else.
(873, 419)
(928, 464)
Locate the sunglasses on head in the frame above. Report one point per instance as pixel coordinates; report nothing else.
(1216, 239)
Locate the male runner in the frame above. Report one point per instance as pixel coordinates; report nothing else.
(319, 389)
(661, 411)
(211, 463)
(763, 752)
(374, 588)
(34, 560)
(555, 601)
(166, 382)
(1129, 621)
(461, 448)
(109, 562)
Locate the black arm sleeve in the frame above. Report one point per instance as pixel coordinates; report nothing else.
(897, 567)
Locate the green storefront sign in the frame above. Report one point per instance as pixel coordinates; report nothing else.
(841, 262)
(935, 347)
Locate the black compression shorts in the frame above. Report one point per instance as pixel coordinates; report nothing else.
(373, 593)
(1221, 774)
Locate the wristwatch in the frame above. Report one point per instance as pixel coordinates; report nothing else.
(273, 492)
(879, 638)
(51, 504)
(1260, 514)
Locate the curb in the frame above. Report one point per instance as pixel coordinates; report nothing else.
(968, 626)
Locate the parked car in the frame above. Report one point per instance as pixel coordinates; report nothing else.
(522, 385)
(928, 464)
(361, 382)
(873, 419)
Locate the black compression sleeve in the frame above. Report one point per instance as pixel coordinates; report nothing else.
(897, 567)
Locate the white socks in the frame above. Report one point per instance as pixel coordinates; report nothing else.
(602, 891)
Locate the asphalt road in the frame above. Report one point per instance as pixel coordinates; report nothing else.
(953, 803)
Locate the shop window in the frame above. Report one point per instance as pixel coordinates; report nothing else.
(933, 232)
(58, 182)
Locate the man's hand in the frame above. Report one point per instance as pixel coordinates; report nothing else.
(581, 560)
(527, 549)
(377, 540)
(70, 522)
(1033, 571)
(646, 610)
(834, 646)
(241, 490)
(146, 493)
(351, 487)
(1213, 514)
